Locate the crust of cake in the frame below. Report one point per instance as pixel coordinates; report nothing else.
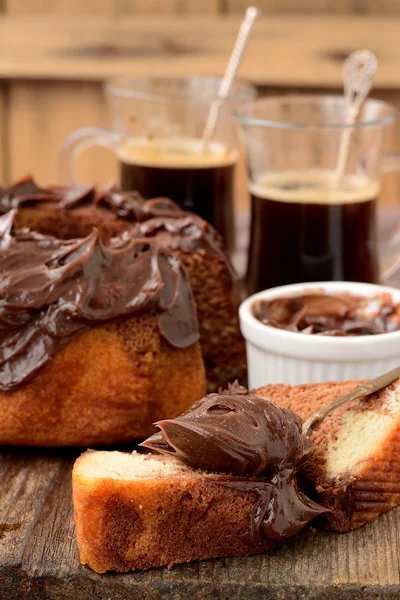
(49, 219)
(217, 301)
(107, 385)
(124, 524)
(358, 496)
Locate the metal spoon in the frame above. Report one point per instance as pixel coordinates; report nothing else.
(365, 389)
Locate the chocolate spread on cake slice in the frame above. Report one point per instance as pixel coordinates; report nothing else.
(51, 290)
(333, 315)
(260, 444)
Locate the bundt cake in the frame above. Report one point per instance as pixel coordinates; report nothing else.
(72, 212)
(97, 339)
(225, 486)
(355, 466)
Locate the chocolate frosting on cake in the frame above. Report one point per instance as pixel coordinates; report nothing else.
(51, 290)
(130, 206)
(26, 191)
(133, 207)
(241, 434)
(158, 218)
(187, 232)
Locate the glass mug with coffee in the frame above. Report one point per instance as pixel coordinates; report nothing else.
(157, 136)
(309, 221)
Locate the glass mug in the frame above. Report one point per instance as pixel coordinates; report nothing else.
(309, 222)
(157, 137)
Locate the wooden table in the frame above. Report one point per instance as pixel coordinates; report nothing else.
(39, 557)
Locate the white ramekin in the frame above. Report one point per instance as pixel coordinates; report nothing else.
(279, 356)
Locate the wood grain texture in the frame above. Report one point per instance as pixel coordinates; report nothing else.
(155, 7)
(77, 54)
(4, 173)
(295, 6)
(376, 7)
(307, 51)
(39, 558)
(112, 7)
(41, 115)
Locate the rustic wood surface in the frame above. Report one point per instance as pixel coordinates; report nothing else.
(305, 51)
(39, 557)
(157, 7)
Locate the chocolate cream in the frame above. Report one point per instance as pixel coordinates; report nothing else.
(160, 219)
(52, 290)
(27, 192)
(256, 442)
(333, 315)
(126, 205)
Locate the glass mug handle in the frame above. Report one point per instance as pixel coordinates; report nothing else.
(77, 142)
(391, 247)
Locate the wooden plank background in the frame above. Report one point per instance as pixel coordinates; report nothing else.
(53, 63)
(184, 7)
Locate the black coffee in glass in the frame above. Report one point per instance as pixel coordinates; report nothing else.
(306, 226)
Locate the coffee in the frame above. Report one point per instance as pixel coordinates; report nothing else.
(199, 178)
(308, 227)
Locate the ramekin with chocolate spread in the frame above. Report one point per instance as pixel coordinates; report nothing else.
(318, 313)
(323, 331)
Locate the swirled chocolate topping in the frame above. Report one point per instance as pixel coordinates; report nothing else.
(27, 192)
(232, 432)
(133, 207)
(241, 434)
(159, 218)
(281, 509)
(188, 232)
(130, 206)
(336, 315)
(51, 290)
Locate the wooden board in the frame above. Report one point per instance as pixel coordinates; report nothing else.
(39, 558)
(297, 7)
(154, 7)
(112, 7)
(3, 134)
(37, 113)
(284, 51)
(41, 115)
